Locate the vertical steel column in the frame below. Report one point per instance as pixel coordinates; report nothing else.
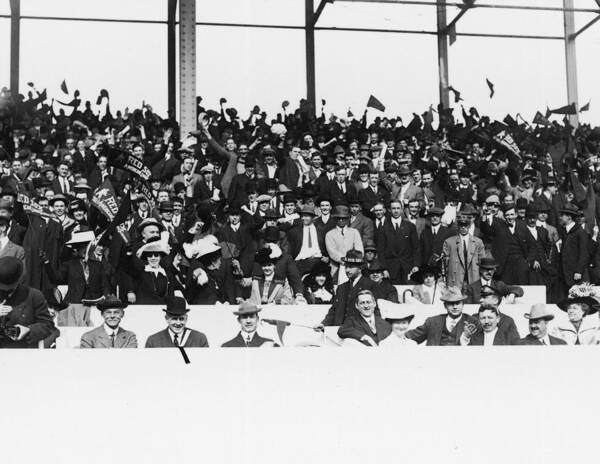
(15, 39)
(171, 58)
(442, 40)
(187, 66)
(309, 29)
(571, 59)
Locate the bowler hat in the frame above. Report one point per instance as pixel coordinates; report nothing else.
(341, 211)
(111, 302)
(11, 272)
(539, 311)
(176, 306)
(369, 245)
(452, 295)
(247, 308)
(488, 263)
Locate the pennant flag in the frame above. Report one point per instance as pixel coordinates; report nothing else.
(281, 326)
(457, 97)
(117, 223)
(585, 107)
(105, 200)
(506, 140)
(452, 34)
(510, 121)
(350, 114)
(375, 103)
(540, 119)
(491, 87)
(548, 112)
(64, 88)
(569, 109)
(414, 125)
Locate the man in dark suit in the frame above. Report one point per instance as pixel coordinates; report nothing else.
(490, 332)
(433, 236)
(340, 188)
(325, 222)
(573, 249)
(345, 296)
(487, 268)
(445, 329)
(512, 246)
(365, 327)
(323, 182)
(24, 309)
(176, 333)
(306, 242)
(539, 316)
(375, 192)
(398, 246)
(247, 316)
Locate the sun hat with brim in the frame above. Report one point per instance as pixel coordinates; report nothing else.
(11, 272)
(395, 312)
(79, 238)
(591, 303)
(264, 198)
(176, 306)
(247, 308)
(153, 247)
(110, 302)
(539, 311)
(149, 222)
(452, 295)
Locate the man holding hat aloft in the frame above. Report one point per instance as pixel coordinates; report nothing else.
(110, 334)
(247, 316)
(539, 316)
(573, 248)
(24, 315)
(176, 333)
(446, 329)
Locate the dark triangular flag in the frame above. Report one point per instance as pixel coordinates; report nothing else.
(548, 113)
(569, 109)
(323, 102)
(375, 103)
(491, 86)
(350, 114)
(540, 119)
(63, 87)
(510, 121)
(585, 107)
(456, 93)
(414, 126)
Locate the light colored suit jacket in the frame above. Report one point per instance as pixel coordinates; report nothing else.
(12, 249)
(364, 225)
(456, 263)
(98, 338)
(337, 244)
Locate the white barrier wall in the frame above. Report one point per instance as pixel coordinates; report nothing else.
(219, 323)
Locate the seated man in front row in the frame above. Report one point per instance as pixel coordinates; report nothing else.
(176, 333)
(539, 315)
(110, 334)
(487, 268)
(490, 332)
(365, 326)
(247, 316)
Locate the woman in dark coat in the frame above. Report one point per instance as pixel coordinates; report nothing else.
(155, 283)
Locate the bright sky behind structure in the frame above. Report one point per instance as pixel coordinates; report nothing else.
(252, 66)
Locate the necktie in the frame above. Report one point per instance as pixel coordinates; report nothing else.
(395, 225)
(265, 294)
(451, 325)
(112, 340)
(466, 257)
(435, 231)
(309, 237)
(176, 340)
(248, 340)
(379, 223)
(343, 188)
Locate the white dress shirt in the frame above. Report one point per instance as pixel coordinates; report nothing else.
(182, 337)
(312, 251)
(488, 337)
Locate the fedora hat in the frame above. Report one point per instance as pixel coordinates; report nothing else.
(341, 211)
(78, 238)
(488, 263)
(467, 210)
(591, 303)
(393, 312)
(571, 210)
(155, 246)
(307, 210)
(375, 266)
(370, 245)
(247, 308)
(149, 222)
(110, 302)
(435, 211)
(176, 306)
(539, 311)
(452, 295)
(353, 257)
(11, 272)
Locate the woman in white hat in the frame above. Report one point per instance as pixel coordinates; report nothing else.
(399, 316)
(155, 283)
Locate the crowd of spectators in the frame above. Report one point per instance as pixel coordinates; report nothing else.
(286, 210)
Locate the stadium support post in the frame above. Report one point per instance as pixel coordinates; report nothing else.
(571, 59)
(187, 66)
(442, 40)
(309, 29)
(171, 57)
(15, 39)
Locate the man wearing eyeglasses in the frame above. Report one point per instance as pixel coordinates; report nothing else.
(176, 333)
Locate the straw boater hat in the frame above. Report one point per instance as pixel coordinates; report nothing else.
(539, 311)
